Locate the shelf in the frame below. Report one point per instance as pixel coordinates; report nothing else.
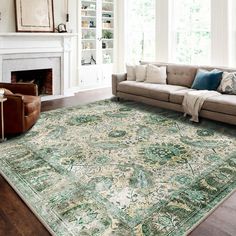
(88, 10)
(111, 12)
(88, 17)
(107, 18)
(107, 49)
(87, 28)
(107, 39)
(89, 49)
(88, 39)
(107, 1)
(111, 29)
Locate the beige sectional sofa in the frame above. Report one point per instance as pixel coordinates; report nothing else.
(170, 96)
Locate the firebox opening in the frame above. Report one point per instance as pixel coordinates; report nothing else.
(43, 78)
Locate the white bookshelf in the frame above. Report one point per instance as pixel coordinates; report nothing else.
(97, 42)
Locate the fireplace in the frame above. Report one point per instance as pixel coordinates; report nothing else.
(43, 78)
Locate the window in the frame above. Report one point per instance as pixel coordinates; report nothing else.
(140, 30)
(191, 37)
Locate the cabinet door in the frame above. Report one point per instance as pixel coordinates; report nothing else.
(106, 75)
(90, 76)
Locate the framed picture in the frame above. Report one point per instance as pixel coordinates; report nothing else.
(34, 15)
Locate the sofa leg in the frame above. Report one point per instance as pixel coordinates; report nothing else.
(117, 99)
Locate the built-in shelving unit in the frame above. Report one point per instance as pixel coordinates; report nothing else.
(97, 40)
(107, 31)
(89, 31)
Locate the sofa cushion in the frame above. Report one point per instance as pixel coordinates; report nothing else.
(155, 91)
(182, 75)
(31, 103)
(177, 97)
(223, 104)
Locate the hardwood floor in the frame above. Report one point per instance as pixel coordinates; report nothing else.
(17, 220)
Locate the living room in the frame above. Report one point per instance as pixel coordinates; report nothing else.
(118, 117)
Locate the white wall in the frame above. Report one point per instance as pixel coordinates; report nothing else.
(7, 23)
(7, 10)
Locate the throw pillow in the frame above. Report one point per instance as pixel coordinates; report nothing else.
(207, 80)
(6, 91)
(228, 83)
(141, 72)
(130, 72)
(156, 75)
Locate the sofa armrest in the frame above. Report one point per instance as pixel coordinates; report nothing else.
(116, 79)
(22, 88)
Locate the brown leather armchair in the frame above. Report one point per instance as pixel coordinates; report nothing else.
(22, 108)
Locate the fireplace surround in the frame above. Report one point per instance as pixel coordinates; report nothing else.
(36, 52)
(32, 67)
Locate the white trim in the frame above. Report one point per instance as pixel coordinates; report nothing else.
(162, 30)
(232, 32)
(219, 32)
(121, 35)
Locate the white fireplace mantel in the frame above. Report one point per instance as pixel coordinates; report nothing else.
(31, 50)
(37, 34)
(34, 42)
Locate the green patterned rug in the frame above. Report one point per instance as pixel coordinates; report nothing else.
(124, 169)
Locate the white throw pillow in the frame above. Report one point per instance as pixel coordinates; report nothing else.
(156, 75)
(228, 83)
(141, 72)
(130, 72)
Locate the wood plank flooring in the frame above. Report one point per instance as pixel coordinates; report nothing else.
(16, 219)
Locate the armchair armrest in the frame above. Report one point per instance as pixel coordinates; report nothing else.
(22, 88)
(116, 79)
(14, 113)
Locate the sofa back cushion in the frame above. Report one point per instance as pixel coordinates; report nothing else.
(177, 74)
(182, 75)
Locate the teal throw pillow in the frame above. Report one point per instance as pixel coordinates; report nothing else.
(207, 80)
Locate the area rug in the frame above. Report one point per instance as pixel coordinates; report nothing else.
(112, 168)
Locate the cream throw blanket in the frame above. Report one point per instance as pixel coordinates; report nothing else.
(193, 101)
